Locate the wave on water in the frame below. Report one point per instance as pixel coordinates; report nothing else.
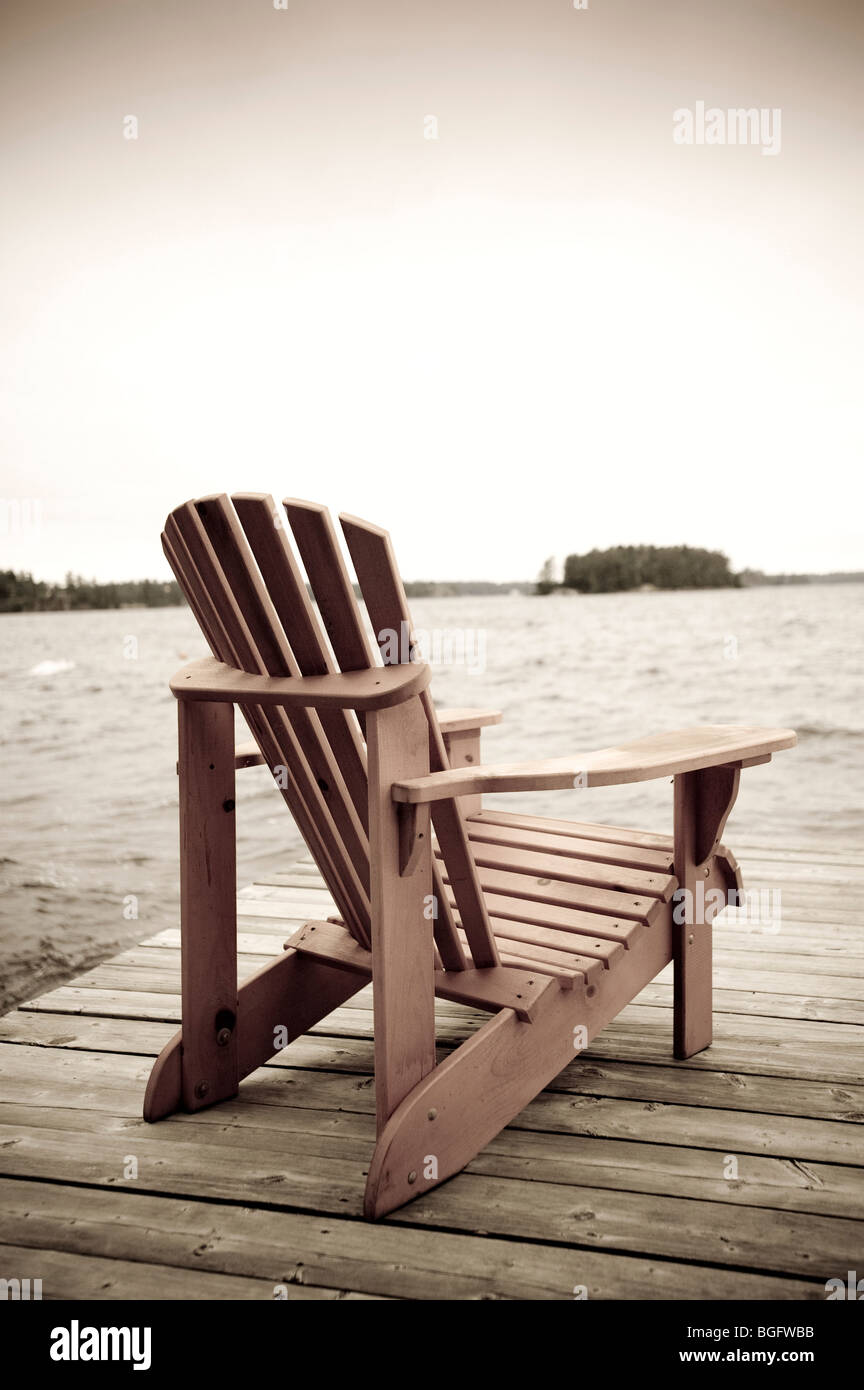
(50, 668)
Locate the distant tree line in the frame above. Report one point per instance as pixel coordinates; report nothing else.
(21, 593)
(625, 567)
(750, 578)
(431, 588)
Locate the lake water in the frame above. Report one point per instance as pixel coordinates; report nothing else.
(89, 729)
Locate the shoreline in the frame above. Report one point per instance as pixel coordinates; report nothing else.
(560, 590)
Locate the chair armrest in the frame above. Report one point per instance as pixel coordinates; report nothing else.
(377, 687)
(659, 755)
(457, 721)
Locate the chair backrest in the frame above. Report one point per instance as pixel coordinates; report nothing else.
(233, 560)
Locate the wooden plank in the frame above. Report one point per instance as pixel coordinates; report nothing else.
(789, 1006)
(584, 830)
(759, 1069)
(301, 1251)
(569, 1156)
(588, 948)
(558, 893)
(665, 1226)
(799, 937)
(586, 1075)
(748, 1045)
(163, 1003)
(78, 1277)
(622, 878)
(649, 1223)
(766, 979)
(562, 920)
(557, 841)
(82, 1084)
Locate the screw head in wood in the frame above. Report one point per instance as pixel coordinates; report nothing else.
(431, 1114)
(202, 1089)
(223, 1037)
(412, 1176)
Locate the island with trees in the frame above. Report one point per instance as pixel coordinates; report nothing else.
(647, 567)
(628, 568)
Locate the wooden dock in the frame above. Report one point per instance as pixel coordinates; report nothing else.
(736, 1174)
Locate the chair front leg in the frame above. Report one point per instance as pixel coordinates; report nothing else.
(703, 800)
(208, 903)
(403, 962)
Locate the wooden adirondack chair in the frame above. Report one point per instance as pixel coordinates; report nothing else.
(551, 926)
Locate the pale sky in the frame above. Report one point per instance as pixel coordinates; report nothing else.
(549, 329)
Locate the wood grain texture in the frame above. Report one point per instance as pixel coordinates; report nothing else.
(402, 937)
(576, 936)
(377, 688)
(328, 576)
(612, 1177)
(208, 911)
(643, 759)
(465, 720)
(387, 606)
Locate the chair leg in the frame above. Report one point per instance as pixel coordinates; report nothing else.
(403, 960)
(692, 939)
(279, 1003)
(703, 800)
(208, 902)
